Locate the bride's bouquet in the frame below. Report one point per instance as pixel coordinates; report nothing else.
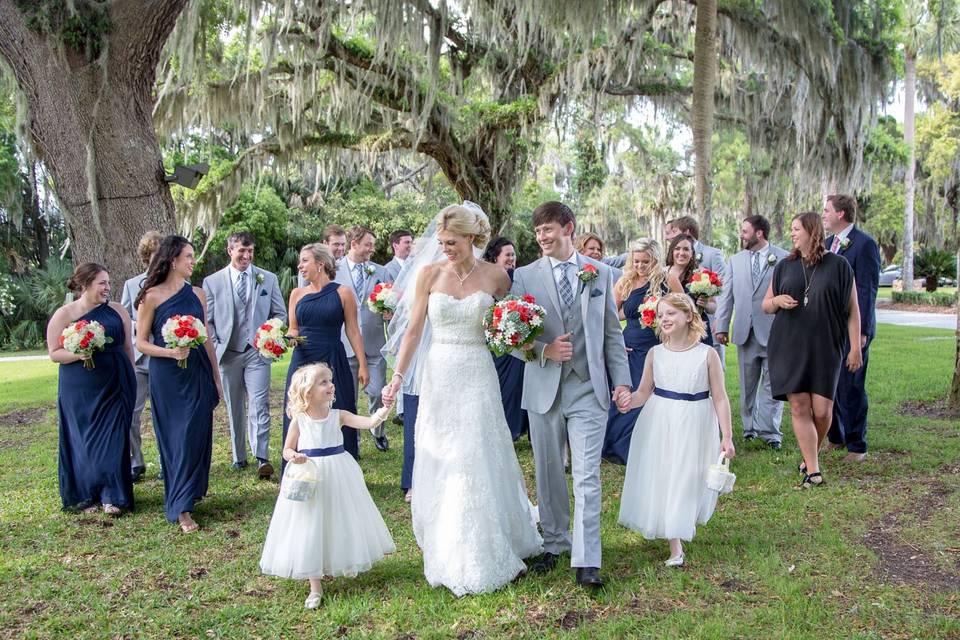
(513, 323)
(272, 341)
(647, 312)
(704, 283)
(383, 299)
(83, 337)
(183, 331)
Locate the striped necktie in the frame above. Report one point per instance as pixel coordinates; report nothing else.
(566, 291)
(242, 287)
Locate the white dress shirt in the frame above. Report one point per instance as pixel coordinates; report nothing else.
(571, 272)
(235, 275)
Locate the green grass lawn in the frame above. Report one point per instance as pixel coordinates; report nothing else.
(873, 554)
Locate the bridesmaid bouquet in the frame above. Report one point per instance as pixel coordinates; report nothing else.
(183, 331)
(513, 323)
(383, 299)
(83, 337)
(705, 283)
(272, 341)
(647, 312)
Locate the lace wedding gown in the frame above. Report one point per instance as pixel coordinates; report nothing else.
(471, 515)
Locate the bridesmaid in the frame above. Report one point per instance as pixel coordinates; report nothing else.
(181, 400)
(643, 276)
(682, 263)
(509, 369)
(94, 405)
(318, 312)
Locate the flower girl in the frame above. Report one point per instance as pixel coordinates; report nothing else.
(337, 531)
(677, 436)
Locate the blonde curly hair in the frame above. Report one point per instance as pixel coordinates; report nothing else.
(303, 381)
(463, 221)
(656, 277)
(684, 304)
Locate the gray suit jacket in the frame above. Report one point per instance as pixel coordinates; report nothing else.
(741, 299)
(267, 301)
(711, 258)
(371, 324)
(392, 269)
(601, 331)
(131, 289)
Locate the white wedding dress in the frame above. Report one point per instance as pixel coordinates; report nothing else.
(471, 514)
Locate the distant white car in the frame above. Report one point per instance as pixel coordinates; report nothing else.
(888, 275)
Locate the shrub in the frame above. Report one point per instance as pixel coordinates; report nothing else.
(928, 298)
(933, 264)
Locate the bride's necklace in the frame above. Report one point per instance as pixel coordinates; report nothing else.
(469, 273)
(807, 282)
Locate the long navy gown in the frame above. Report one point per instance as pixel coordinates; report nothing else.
(320, 319)
(510, 374)
(707, 339)
(182, 402)
(616, 442)
(95, 408)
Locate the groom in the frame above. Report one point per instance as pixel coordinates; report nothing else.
(565, 387)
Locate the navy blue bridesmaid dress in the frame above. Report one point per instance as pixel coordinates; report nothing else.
(411, 404)
(95, 408)
(707, 339)
(182, 402)
(616, 442)
(510, 373)
(320, 321)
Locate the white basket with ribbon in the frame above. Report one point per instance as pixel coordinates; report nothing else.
(719, 477)
(300, 481)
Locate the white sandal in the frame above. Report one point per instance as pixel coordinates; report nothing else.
(313, 600)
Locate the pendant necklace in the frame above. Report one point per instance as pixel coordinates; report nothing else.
(806, 282)
(469, 273)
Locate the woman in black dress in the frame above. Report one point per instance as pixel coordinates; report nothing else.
(94, 406)
(682, 262)
(814, 298)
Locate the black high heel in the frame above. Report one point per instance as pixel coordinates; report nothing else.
(802, 468)
(808, 480)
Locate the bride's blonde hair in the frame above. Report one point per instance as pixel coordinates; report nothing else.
(464, 221)
(304, 379)
(684, 304)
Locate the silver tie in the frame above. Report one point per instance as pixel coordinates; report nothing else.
(242, 287)
(756, 267)
(566, 292)
(358, 278)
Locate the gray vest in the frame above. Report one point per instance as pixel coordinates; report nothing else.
(573, 323)
(241, 324)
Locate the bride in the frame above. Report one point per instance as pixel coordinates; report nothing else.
(471, 515)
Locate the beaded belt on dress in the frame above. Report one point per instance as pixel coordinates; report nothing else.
(321, 453)
(676, 395)
(463, 340)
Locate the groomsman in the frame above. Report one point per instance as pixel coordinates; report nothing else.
(335, 237)
(849, 426)
(361, 275)
(748, 276)
(707, 257)
(241, 297)
(401, 241)
(131, 288)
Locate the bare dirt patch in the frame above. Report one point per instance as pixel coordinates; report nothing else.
(903, 562)
(930, 409)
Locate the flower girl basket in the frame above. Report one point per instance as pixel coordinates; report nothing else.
(300, 481)
(719, 477)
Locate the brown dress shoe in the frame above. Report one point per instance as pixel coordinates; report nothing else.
(855, 457)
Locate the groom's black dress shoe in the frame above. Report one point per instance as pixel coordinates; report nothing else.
(545, 563)
(381, 443)
(589, 577)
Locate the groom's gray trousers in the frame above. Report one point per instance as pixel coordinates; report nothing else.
(575, 417)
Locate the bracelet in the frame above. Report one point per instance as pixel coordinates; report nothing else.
(397, 374)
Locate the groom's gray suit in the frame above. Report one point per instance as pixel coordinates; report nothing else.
(568, 402)
(742, 297)
(245, 373)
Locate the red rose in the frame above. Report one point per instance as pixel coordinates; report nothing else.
(512, 305)
(179, 332)
(89, 335)
(84, 343)
(497, 312)
(529, 299)
(61, 341)
(590, 268)
(277, 351)
(192, 333)
(648, 316)
(266, 327)
(81, 324)
(515, 339)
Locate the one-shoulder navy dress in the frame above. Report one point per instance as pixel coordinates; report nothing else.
(510, 374)
(182, 402)
(616, 443)
(320, 321)
(95, 407)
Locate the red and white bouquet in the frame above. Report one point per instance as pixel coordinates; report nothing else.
(83, 337)
(704, 283)
(647, 312)
(383, 299)
(183, 331)
(513, 323)
(272, 341)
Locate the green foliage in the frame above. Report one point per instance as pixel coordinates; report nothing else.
(932, 263)
(590, 170)
(82, 25)
(926, 298)
(29, 301)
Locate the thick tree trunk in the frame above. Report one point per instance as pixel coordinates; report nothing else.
(909, 129)
(704, 82)
(91, 125)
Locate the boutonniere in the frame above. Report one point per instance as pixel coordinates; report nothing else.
(588, 274)
(771, 259)
(259, 278)
(699, 258)
(369, 269)
(845, 243)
